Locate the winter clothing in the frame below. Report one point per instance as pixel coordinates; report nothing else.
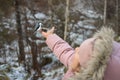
(99, 56)
(62, 50)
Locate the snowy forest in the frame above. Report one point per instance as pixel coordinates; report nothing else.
(25, 55)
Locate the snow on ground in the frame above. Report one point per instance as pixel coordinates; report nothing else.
(52, 71)
(40, 16)
(13, 73)
(88, 11)
(55, 74)
(17, 72)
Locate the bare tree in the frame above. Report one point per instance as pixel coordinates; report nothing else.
(19, 30)
(117, 15)
(50, 12)
(66, 19)
(105, 12)
(35, 64)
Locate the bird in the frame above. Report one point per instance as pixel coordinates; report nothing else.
(37, 27)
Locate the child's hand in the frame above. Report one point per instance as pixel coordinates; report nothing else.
(49, 32)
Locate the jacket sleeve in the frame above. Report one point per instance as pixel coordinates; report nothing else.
(61, 49)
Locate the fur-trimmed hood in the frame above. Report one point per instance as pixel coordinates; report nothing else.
(99, 59)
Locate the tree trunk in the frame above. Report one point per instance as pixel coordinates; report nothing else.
(19, 30)
(66, 19)
(35, 63)
(105, 12)
(117, 16)
(50, 12)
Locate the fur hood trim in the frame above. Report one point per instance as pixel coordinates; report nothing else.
(101, 54)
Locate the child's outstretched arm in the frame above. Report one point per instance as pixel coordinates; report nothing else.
(60, 48)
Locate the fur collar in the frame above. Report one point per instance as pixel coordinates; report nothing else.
(101, 54)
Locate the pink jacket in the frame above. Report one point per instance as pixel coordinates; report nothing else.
(65, 53)
(62, 50)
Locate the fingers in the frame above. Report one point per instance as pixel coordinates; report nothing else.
(51, 30)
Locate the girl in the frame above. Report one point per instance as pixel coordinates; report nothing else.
(97, 58)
